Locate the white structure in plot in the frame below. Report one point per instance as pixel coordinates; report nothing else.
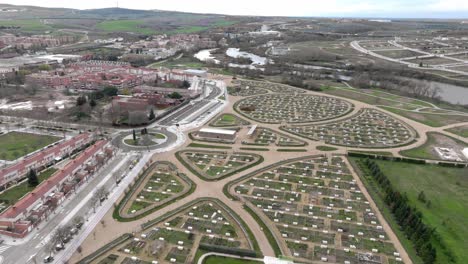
(216, 133)
(465, 152)
(448, 154)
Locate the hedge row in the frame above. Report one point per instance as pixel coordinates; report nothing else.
(96, 254)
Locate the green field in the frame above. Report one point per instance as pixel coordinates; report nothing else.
(433, 120)
(446, 189)
(17, 144)
(137, 26)
(224, 260)
(461, 131)
(27, 25)
(12, 195)
(427, 151)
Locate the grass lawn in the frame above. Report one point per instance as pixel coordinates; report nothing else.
(326, 148)
(159, 136)
(125, 26)
(17, 144)
(461, 131)
(197, 145)
(433, 120)
(291, 150)
(12, 195)
(224, 260)
(446, 188)
(427, 151)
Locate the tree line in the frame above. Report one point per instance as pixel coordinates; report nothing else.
(408, 218)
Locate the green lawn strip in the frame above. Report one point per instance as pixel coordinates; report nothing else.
(446, 190)
(380, 153)
(126, 199)
(326, 148)
(426, 151)
(12, 195)
(16, 144)
(266, 231)
(254, 149)
(376, 193)
(198, 145)
(225, 260)
(98, 253)
(291, 150)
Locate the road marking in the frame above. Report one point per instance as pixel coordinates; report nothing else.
(3, 248)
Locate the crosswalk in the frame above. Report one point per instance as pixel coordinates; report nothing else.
(3, 248)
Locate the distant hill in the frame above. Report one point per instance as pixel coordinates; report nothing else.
(33, 19)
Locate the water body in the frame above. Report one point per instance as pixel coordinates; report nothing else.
(256, 60)
(453, 94)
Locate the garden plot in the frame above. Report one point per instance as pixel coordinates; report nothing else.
(279, 108)
(176, 238)
(369, 128)
(228, 120)
(273, 87)
(318, 212)
(215, 165)
(268, 137)
(161, 184)
(241, 89)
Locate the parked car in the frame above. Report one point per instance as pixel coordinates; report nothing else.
(48, 259)
(59, 247)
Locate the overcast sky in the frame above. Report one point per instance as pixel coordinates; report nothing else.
(356, 8)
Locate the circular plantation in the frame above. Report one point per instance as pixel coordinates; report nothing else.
(292, 108)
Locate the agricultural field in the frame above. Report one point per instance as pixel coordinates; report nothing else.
(26, 25)
(17, 144)
(369, 128)
(138, 26)
(317, 212)
(214, 165)
(378, 97)
(160, 184)
(437, 140)
(228, 120)
(398, 54)
(279, 108)
(443, 204)
(432, 61)
(268, 137)
(175, 237)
